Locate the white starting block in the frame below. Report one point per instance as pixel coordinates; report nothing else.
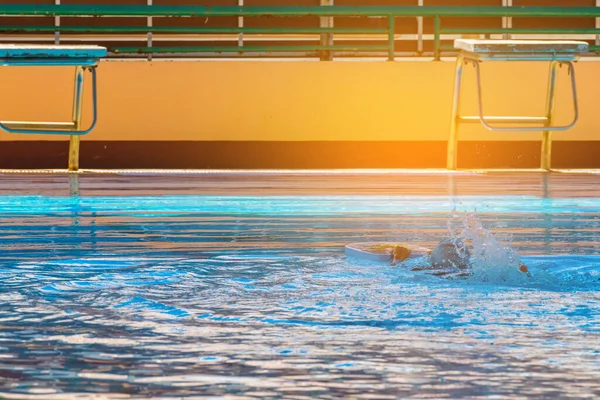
(80, 57)
(475, 51)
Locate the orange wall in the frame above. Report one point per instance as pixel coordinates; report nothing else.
(293, 100)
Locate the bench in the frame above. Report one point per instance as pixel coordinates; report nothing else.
(80, 57)
(475, 51)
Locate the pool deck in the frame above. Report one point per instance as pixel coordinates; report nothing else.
(357, 171)
(379, 182)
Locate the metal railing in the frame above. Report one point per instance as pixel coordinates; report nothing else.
(287, 41)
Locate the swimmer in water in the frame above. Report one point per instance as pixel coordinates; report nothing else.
(399, 254)
(450, 254)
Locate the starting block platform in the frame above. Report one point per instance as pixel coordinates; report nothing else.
(80, 57)
(515, 50)
(475, 51)
(85, 56)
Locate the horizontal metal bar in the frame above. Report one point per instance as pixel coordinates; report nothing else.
(307, 48)
(376, 55)
(504, 119)
(174, 37)
(522, 57)
(38, 125)
(169, 29)
(246, 49)
(544, 31)
(295, 11)
(180, 37)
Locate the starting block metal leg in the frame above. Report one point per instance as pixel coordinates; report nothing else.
(546, 155)
(558, 53)
(489, 122)
(77, 111)
(451, 158)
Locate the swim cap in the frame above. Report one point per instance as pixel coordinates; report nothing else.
(452, 252)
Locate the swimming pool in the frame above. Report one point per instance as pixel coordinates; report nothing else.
(236, 285)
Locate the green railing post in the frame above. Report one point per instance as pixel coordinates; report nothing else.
(436, 38)
(391, 37)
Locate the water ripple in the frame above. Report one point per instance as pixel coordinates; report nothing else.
(176, 296)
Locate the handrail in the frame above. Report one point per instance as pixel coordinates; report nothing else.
(62, 10)
(385, 12)
(182, 29)
(538, 31)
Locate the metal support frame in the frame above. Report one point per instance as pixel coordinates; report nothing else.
(326, 38)
(80, 57)
(487, 121)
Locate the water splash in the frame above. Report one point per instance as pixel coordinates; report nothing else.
(491, 260)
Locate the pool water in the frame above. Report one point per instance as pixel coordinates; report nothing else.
(235, 285)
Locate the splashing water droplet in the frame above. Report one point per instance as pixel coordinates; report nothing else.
(490, 260)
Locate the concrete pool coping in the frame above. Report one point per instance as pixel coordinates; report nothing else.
(566, 183)
(336, 172)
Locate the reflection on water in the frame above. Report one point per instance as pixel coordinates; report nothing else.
(171, 295)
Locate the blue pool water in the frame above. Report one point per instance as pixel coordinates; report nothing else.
(237, 286)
